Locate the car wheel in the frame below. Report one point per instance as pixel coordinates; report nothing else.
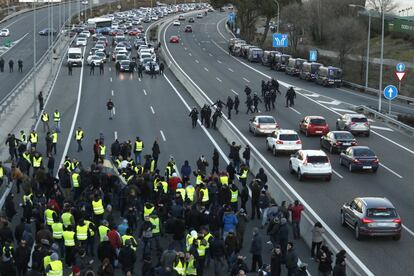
(291, 170)
(274, 151)
(374, 170)
(343, 221)
(367, 134)
(328, 178)
(300, 176)
(356, 233)
(350, 167)
(397, 237)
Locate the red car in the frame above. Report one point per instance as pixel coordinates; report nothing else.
(174, 39)
(188, 29)
(134, 32)
(113, 32)
(314, 125)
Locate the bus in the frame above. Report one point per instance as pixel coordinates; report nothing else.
(100, 22)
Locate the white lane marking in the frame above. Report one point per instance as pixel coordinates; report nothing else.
(14, 43)
(210, 54)
(205, 69)
(190, 54)
(114, 109)
(199, 44)
(197, 61)
(231, 70)
(337, 174)
(313, 95)
(139, 79)
(246, 80)
(75, 117)
(152, 110)
(343, 110)
(145, 92)
(382, 128)
(408, 230)
(391, 171)
(371, 121)
(295, 110)
(334, 102)
(219, 61)
(116, 134)
(110, 79)
(162, 133)
(204, 49)
(218, 79)
(185, 48)
(109, 69)
(112, 93)
(234, 92)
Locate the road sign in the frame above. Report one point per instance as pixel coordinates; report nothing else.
(400, 67)
(313, 55)
(400, 75)
(280, 40)
(390, 92)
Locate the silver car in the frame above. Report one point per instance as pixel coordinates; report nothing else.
(148, 68)
(263, 124)
(354, 123)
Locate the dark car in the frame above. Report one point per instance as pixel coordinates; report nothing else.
(359, 158)
(47, 32)
(371, 216)
(191, 20)
(138, 42)
(188, 29)
(337, 141)
(125, 65)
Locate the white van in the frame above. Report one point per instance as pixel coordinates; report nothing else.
(75, 56)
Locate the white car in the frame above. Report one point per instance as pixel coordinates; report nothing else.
(310, 163)
(85, 2)
(283, 140)
(86, 34)
(95, 59)
(176, 23)
(4, 32)
(263, 124)
(81, 41)
(199, 15)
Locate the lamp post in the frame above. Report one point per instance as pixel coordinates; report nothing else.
(34, 59)
(368, 43)
(382, 59)
(278, 13)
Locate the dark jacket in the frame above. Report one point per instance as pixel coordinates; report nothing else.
(105, 250)
(217, 247)
(256, 246)
(291, 258)
(275, 264)
(339, 270)
(127, 258)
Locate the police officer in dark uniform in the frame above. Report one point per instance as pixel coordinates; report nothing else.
(1, 65)
(216, 114)
(20, 65)
(249, 103)
(11, 64)
(267, 100)
(256, 101)
(194, 116)
(290, 97)
(229, 105)
(70, 68)
(247, 90)
(236, 104)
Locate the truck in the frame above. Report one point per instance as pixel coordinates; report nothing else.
(75, 56)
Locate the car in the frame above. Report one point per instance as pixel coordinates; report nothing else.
(354, 123)
(138, 42)
(188, 29)
(134, 32)
(314, 125)
(120, 57)
(101, 54)
(85, 33)
(337, 141)
(174, 39)
(371, 216)
(4, 32)
(359, 158)
(199, 15)
(95, 59)
(85, 2)
(148, 68)
(283, 140)
(47, 31)
(181, 17)
(81, 41)
(125, 44)
(191, 20)
(310, 163)
(125, 65)
(176, 23)
(263, 124)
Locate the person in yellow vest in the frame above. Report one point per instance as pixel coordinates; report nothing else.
(55, 267)
(189, 193)
(199, 177)
(179, 264)
(190, 238)
(201, 246)
(207, 236)
(156, 230)
(139, 146)
(50, 216)
(224, 178)
(203, 194)
(148, 209)
(191, 265)
(45, 120)
(56, 119)
(54, 141)
(34, 138)
(244, 173)
(69, 240)
(234, 197)
(129, 236)
(2, 173)
(153, 164)
(91, 237)
(83, 233)
(67, 216)
(76, 184)
(162, 186)
(98, 208)
(181, 191)
(23, 137)
(102, 150)
(67, 163)
(103, 230)
(57, 232)
(79, 135)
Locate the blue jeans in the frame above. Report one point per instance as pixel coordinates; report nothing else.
(137, 157)
(296, 229)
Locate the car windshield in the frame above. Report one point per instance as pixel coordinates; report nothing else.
(381, 213)
(146, 60)
(125, 62)
(318, 121)
(359, 120)
(266, 120)
(317, 159)
(343, 135)
(288, 137)
(363, 152)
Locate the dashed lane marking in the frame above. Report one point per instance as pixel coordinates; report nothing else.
(246, 80)
(205, 68)
(231, 70)
(234, 92)
(382, 128)
(116, 135)
(197, 61)
(152, 110)
(297, 112)
(163, 136)
(391, 171)
(218, 79)
(145, 92)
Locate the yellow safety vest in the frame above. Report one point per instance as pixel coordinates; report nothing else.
(138, 145)
(207, 238)
(33, 137)
(190, 269)
(46, 261)
(56, 116)
(45, 117)
(75, 180)
(205, 195)
(103, 232)
(49, 216)
(234, 195)
(79, 135)
(102, 150)
(244, 174)
(69, 238)
(87, 222)
(129, 237)
(199, 179)
(98, 208)
(152, 166)
(188, 241)
(190, 190)
(156, 223)
(179, 268)
(82, 232)
(57, 228)
(37, 162)
(164, 186)
(168, 171)
(148, 212)
(201, 249)
(54, 137)
(1, 172)
(224, 180)
(139, 170)
(23, 138)
(56, 268)
(67, 219)
(182, 192)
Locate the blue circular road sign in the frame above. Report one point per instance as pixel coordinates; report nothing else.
(400, 67)
(390, 92)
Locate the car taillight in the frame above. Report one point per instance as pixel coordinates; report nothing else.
(279, 142)
(352, 123)
(258, 125)
(365, 220)
(356, 161)
(376, 161)
(298, 142)
(338, 143)
(366, 123)
(354, 143)
(396, 220)
(277, 126)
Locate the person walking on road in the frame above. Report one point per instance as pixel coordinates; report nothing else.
(296, 210)
(101, 68)
(45, 120)
(110, 107)
(56, 119)
(20, 65)
(256, 101)
(79, 134)
(1, 65)
(291, 260)
(161, 68)
(11, 64)
(290, 97)
(256, 248)
(140, 69)
(41, 100)
(92, 69)
(139, 146)
(236, 104)
(249, 104)
(70, 68)
(229, 105)
(194, 117)
(117, 67)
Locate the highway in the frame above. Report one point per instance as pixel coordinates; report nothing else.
(21, 30)
(204, 57)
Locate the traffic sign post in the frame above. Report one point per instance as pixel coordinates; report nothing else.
(313, 55)
(280, 40)
(390, 93)
(400, 67)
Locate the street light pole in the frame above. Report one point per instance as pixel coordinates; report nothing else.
(382, 60)
(34, 59)
(278, 15)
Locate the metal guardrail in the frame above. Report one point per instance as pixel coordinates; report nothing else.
(373, 91)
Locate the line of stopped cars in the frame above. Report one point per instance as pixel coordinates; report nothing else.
(187, 28)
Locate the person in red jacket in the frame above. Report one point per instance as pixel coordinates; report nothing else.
(115, 239)
(173, 182)
(296, 211)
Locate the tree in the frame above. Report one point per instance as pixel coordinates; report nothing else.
(346, 35)
(382, 5)
(294, 19)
